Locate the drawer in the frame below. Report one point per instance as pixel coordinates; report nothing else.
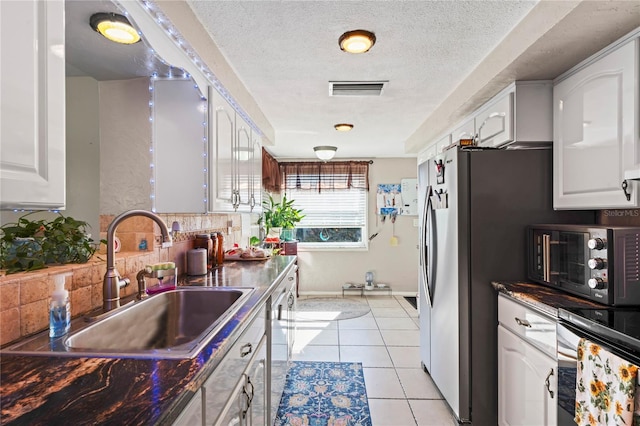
(219, 386)
(533, 326)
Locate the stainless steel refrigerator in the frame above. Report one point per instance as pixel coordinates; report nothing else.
(475, 205)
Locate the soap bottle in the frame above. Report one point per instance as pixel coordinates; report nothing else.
(60, 311)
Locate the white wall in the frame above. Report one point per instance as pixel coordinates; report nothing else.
(327, 271)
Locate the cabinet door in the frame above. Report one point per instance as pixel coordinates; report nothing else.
(221, 159)
(596, 133)
(527, 383)
(466, 130)
(32, 105)
(494, 125)
(443, 143)
(243, 155)
(179, 146)
(256, 388)
(192, 414)
(256, 187)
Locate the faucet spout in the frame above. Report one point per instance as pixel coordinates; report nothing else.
(112, 280)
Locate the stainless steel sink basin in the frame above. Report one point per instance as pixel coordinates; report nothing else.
(174, 324)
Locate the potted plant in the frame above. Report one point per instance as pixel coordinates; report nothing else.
(279, 215)
(27, 245)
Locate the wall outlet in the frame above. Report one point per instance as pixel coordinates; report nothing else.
(415, 223)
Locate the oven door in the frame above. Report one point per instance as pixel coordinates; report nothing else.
(568, 337)
(571, 263)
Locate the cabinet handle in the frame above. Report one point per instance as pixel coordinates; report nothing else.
(245, 350)
(522, 322)
(547, 384)
(292, 278)
(625, 185)
(279, 312)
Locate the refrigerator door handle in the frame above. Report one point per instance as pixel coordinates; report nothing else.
(423, 242)
(431, 258)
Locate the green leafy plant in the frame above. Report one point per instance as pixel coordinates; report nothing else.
(254, 241)
(27, 245)
(279, 214)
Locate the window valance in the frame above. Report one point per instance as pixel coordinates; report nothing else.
(271, 179)
(317, 176)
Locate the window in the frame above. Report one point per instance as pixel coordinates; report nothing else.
(333, 197)
(332, 219)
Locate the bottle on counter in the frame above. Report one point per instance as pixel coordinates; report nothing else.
(220, 251)
(214, 250)
(60, 309)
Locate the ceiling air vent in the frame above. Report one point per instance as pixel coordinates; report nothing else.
(356, 88)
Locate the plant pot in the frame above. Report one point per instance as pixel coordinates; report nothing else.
(288, 234)
(274, 232)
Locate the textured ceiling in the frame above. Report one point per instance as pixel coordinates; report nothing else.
(286, 53)
(441, 59)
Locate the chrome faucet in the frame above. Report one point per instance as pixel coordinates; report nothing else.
(113, 282)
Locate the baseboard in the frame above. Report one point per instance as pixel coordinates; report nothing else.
(339, 293)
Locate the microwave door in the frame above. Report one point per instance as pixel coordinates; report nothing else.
(542, 267)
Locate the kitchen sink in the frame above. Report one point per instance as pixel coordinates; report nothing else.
(173, 324)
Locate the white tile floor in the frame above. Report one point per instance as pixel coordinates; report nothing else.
(386, 341)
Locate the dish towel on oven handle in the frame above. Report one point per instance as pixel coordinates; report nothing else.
(605, 387)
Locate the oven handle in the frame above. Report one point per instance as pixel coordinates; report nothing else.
(546, 258)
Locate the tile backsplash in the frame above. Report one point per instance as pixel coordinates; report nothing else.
(25, 296)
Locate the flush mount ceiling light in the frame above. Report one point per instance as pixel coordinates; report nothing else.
(343, 127)
(114, 27)
(357, 41)
(325, 153)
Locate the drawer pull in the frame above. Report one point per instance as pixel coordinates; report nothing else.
(547, 384)
(522, 322)
(245, 350)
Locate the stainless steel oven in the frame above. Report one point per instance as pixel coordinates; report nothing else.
(617, 330)
(595, 262)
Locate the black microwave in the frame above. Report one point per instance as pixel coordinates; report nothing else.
(599, 263)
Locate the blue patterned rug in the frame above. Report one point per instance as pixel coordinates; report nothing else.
(324, 394)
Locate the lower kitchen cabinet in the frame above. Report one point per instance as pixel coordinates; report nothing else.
(235, 393)
(526, 383)
(192, 414)
(527, 373)
(247, 403)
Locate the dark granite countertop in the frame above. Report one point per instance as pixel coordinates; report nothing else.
(47, 390)
(545, 299)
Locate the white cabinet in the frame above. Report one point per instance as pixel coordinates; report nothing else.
(179, 146)
(526, 383)
(256, 171)
(527, 366)
(239, 379)
(246, 405)
(443, 143)
(521, 114)
(243, 156)
(235, 179)
(466, 130)
(32, 105)
(596, 131)
(222, 173)
(192, 414)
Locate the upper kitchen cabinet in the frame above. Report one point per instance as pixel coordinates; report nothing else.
(235, 181)
(466, 130)
(222, 176)
(596, 130)
(180, 146)
(520, 114)
(256, 187)
(32, 105)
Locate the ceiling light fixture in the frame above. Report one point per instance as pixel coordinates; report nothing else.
(343, 127)
(114, 27)
(357, 41)
(325, 152)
